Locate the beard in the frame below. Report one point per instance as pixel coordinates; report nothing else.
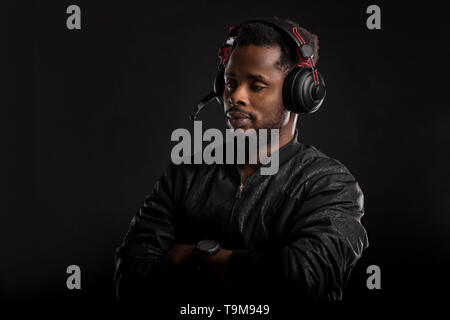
(276, 120)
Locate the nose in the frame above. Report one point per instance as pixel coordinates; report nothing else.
(238, 96)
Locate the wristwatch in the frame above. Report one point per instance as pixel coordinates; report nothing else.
(206, 248)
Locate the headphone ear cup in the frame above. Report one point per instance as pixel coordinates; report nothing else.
(219, 84)
(299, 95)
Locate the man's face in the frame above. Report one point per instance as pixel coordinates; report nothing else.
(253, 89)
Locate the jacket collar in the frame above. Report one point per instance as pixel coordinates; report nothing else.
(285, 153)
(289, 149)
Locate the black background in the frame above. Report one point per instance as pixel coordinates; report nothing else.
(86, 119)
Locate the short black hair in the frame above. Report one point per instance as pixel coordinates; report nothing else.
(264, 34)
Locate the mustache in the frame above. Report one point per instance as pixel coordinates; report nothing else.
(236, 109)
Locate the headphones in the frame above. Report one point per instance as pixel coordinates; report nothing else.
(303, 88)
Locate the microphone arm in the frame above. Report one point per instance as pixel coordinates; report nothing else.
(201, 105)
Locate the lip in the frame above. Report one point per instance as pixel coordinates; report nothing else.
(237, 115)
(238, 119)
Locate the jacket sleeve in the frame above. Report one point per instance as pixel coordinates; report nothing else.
(139, 264)
(322, 238)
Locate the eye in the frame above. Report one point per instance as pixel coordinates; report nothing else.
(258, 86)
(229, 84)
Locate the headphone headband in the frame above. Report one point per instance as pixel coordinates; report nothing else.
(292, 32)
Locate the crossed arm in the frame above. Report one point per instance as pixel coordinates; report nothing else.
(182, 255)
(324, 238)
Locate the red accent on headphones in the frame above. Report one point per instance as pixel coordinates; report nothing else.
(304, 62)
(299, 37)
(300, 55)
(310, 61)
(225, 54)
(314, 72)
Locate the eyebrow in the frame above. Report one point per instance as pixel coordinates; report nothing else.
(253, 76)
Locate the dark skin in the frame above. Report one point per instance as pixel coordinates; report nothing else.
(252, 99)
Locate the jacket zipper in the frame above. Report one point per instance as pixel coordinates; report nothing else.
(237, 197)
(239, 191)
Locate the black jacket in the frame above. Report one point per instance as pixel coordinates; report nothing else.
(298, 231)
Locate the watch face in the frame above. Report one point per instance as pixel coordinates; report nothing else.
(207, 245)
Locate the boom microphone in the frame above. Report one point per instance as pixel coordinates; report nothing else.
(210, 97)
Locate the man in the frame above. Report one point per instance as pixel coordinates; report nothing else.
(227, 229)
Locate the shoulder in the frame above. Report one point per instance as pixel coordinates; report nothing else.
(314, 169)
(312, 162)
(188, 171)
(321, 164)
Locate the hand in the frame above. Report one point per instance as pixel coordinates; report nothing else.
(217, 264)
(180, 254)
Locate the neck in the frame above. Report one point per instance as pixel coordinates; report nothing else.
(286, 134)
